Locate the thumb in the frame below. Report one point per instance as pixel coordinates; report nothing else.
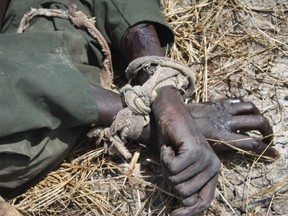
(167, 155)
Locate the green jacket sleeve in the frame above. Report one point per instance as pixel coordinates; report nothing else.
(39, 85)
(115, 16)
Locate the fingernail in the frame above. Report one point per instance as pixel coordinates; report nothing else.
(271, 152)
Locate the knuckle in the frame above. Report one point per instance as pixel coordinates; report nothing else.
(182, 191)
(251, 105)
(256, 145)
(229, 125)
(174, 169)
(205, 204)
(234, 100)
(173, 179)
(190, 201)
(216, 165)
(197, 152)
(170, 172)
(263, 121)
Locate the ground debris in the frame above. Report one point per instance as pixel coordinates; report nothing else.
(240, 49)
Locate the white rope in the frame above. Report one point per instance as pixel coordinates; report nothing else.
(130, 121)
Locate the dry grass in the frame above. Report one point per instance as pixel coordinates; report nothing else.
(235, 46)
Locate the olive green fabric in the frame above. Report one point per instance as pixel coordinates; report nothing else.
(45, 73)
(42, 94)
(113, 17)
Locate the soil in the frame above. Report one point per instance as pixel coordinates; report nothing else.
(249, 187)
(261, 188)
(249, 60)
(244, 51)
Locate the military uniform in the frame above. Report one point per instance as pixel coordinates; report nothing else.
(45, 72)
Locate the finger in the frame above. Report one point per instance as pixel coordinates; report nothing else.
(191, 201)
(231, 100)
(175, 164)
(256, 122)
(225, 101)
(186, 174)
(244, 108)
(192, 186)
(205, 197)
(244, 142)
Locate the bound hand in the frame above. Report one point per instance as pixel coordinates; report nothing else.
(227, 120)
(188, 162)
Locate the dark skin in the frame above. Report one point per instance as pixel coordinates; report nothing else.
(228, 120)
(189, 164)
(217, 120)
(177, 144)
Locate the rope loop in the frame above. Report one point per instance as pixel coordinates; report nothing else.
(79, 20)
(129, 122)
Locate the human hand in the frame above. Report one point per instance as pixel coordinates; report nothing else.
(188, 162)
(227, 120)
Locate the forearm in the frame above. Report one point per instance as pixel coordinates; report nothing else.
(108, 104)
(169, 107)
(141, 40)
(138, 41)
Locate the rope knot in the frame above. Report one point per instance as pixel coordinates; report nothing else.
(129, 122)
(136, 99)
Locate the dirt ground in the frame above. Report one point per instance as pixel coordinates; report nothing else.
(241, 49)
(259, 188)
(250, 187)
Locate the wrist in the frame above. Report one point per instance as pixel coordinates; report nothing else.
(161, 105)
(139, 41)
(108, 104)
(149, 133)
(168, 99)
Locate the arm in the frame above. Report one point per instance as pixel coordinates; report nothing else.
(217, 120)
(226, 122)
(195, 186)
(189, 164)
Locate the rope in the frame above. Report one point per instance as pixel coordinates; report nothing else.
(130, 121)
(80, 20)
